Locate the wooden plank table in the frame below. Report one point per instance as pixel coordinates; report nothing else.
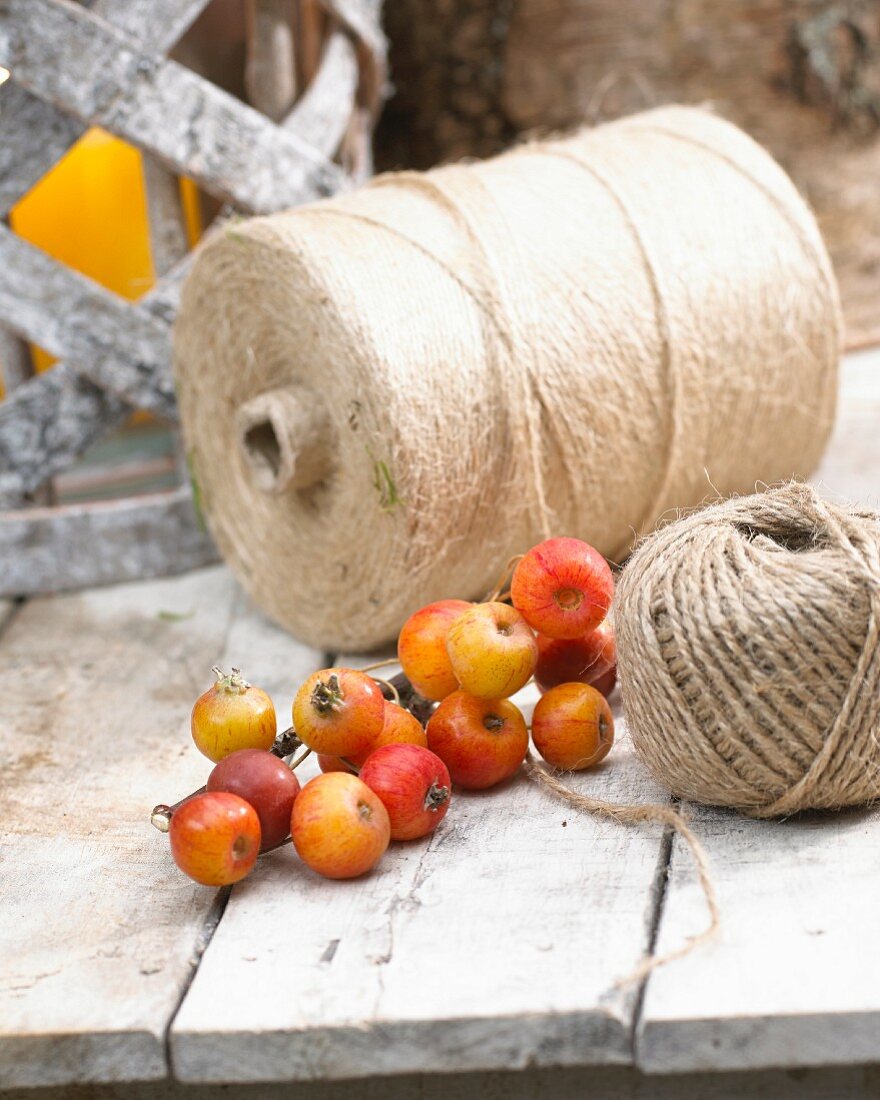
(493, 947)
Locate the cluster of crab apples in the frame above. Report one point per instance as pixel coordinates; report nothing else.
(388, 770)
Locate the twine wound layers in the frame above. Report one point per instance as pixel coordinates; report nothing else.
(387, 394)
(748, 653)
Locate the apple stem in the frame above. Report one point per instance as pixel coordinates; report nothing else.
(294, 764)
(409, 698)
(160, 816)
(286, 743)
(391, 687)
(380, 664)
(327, 695)
(496, 592)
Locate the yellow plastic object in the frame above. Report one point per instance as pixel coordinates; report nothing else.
(90, 213)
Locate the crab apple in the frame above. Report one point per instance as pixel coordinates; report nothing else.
(215, 838)
(573, 727)
(399, 728)
(339, 827)
(334, 764)
(481, 741)
(339, 712)
(563, 587)
(421, 648)
(414, 786)
(232, 715)
(492, 650)
(584, 659)
(264, 781)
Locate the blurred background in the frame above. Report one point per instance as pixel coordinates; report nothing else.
(464, 78)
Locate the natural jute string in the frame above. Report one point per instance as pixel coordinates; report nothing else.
(748, 653)
(388, 394)
(642, 814)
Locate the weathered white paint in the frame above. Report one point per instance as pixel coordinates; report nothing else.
(66, 55)
(97, 928)
(323, 113)
(24, 159)
(71, 546)
(795, 977)
(120, 346)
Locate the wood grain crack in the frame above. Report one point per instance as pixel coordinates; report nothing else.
(654, 917)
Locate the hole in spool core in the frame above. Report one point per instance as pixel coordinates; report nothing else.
(284, 440)
(263, 447)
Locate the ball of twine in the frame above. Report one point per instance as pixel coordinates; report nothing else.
(388, 394)
(748, 653)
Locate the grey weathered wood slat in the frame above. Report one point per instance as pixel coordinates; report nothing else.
(53, 418)
(15, 360)
(496, 943)
(165, 216)
(270, 64)
(52, 549)
(158, 24)
(322, 116)
(65, 55)
(47, 423)
(363, 18)
(120, 346)
(795, 978)
(17, 368)
(97, 929)
(34, 135)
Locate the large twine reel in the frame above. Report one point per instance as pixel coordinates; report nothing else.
(748, 653)
(388, 394)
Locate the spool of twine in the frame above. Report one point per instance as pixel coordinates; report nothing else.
(748, 653)
(387, 394)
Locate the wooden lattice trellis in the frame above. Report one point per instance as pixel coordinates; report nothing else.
(103, 63)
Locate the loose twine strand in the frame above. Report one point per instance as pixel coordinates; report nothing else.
(642, 813)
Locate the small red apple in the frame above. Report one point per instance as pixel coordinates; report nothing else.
(339, 827)
(563, 587)
(414, 786)
(421, 648)
(569, 660)
(481, 741)
(232, 715)
(215, 838)
(264, 781)
(607, 683)
(573, 727)
(339, 712)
